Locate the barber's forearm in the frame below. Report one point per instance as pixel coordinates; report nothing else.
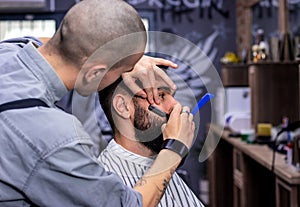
(153, 184)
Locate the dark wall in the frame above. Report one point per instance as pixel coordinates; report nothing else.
(196, 20)
(265, 16)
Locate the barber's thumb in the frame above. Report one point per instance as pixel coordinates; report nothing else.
(163, 127)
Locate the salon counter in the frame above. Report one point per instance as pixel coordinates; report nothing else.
(241, 175)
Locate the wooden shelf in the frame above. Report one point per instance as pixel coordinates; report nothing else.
(235, 75)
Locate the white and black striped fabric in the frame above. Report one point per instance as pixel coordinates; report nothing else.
(131, 167)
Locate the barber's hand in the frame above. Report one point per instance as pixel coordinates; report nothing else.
(180, 125)
(146, 70)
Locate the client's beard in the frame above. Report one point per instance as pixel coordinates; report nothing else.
(148, 129)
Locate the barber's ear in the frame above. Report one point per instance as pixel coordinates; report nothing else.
(95, 73)
(121, 106)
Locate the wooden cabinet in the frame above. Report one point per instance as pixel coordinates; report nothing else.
(274, 92)
(241, 175)
(235, 75)
(220, 177)
(286, 194)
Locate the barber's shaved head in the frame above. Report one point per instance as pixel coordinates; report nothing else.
(90, 24)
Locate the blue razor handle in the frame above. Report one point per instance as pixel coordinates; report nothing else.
(202, 102)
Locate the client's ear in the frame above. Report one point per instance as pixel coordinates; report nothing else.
(121, 106)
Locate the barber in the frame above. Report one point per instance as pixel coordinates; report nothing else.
(45, 154)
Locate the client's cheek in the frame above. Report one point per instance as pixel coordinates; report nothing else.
(171, 105)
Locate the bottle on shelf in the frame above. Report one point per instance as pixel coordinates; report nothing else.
(260, 49)
(255, 53)
(289, 145)
(263, 52)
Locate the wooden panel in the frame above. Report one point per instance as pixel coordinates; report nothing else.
(259, 184)
(238, 179)
(283, 16)
(274, 92)
(235, 75)
(220, 176)
(244, 25)
(286, 195)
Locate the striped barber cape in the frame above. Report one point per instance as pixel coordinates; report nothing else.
(131, 167)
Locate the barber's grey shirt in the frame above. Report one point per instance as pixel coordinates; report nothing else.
(45, 156)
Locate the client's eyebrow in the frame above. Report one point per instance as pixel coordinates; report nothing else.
(162, 88)
(166, 89)
(138, 96)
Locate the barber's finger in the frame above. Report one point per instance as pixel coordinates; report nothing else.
(150, 87)
(191, 117)
(191, 120)
(151, 93)
(130, 83)
(155, 95)
(185, 110)
(173, 125)
(168, 63)
(175, 113)
(163, 127)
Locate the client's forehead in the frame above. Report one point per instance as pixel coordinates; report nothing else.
(162, 85)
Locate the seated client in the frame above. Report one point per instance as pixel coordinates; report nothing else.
(138, 139)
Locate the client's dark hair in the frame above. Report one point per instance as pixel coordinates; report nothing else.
(105, 98)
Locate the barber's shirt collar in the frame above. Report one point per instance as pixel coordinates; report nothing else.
(44, 72)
